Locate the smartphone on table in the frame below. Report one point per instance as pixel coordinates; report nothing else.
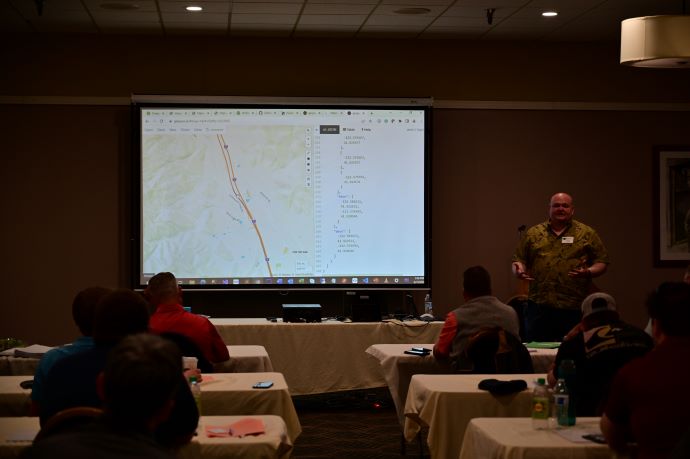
(263, 385)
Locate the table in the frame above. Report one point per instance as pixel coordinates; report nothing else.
(446, 404)
(221, 394)
(232, 394)
(14, 366)
(327, 356)
(542, 359)
(243, 359)
(514, 438)
(18, 432)
(399, 367)
(14, 401)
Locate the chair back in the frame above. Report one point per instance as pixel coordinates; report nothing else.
(68, 419)
(188, 348)
(493, 350)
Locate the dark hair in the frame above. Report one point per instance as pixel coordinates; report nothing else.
(142, 373)
(120, 313)
(84, 308)
(476, 281)
(669, 305)
(161, 286)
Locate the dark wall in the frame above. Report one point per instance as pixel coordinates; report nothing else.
(65, 175)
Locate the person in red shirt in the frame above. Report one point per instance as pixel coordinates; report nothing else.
(648, 403)
(169, 317)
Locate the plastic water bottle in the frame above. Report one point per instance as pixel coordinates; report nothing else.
(428, 306)
(566, 372)
(540, 405)
(196, 392)
(561, 402)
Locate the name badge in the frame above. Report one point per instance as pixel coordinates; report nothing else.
(567, 240)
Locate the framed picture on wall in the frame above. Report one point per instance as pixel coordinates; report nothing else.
(672, 201)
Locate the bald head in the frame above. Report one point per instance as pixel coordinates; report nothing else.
(561, 209)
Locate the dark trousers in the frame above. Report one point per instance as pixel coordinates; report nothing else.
(546, 323)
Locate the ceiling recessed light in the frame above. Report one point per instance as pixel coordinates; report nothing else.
(194, 8)
(412, 10)
(549, 14)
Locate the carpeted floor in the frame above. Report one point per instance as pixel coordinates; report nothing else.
(356, 424)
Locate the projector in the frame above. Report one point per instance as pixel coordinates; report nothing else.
(301, 313)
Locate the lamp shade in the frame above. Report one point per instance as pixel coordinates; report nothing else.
(656, 41)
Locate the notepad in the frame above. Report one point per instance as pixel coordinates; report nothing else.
(241, 428)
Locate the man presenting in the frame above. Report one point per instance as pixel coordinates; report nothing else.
(559, 258)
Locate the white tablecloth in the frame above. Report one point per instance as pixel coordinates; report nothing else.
(221, 394)
(447, 403)
(399, 367)
(14, 401)
(542, 359)
(328, 356)
(514, 438)
(243, 359)
(18, 432)
(232, 394)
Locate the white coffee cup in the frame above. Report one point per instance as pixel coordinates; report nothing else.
(189, 363)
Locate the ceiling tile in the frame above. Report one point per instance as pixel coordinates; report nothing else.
(125, 17)
(419, 3)
(184, 18)
(266, 8)
(565, 4)
(348, 2)
(434, 10)
(332, 19)
(449, 22)
(477, 12)
(119, 5)
(28, 9)
(493, 3)
(398, 21)
(336, 8)
(11, 20)
(264, 18)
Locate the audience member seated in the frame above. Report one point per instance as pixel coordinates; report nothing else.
(649, 402)
(83, 307)
(72, 381)
(165, 295)
(601, 345)
(189, 349)
(492, 350)
(480, 310)
(138, 388)
(686, 279)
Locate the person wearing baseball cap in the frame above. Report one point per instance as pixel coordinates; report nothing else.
(599, 346)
